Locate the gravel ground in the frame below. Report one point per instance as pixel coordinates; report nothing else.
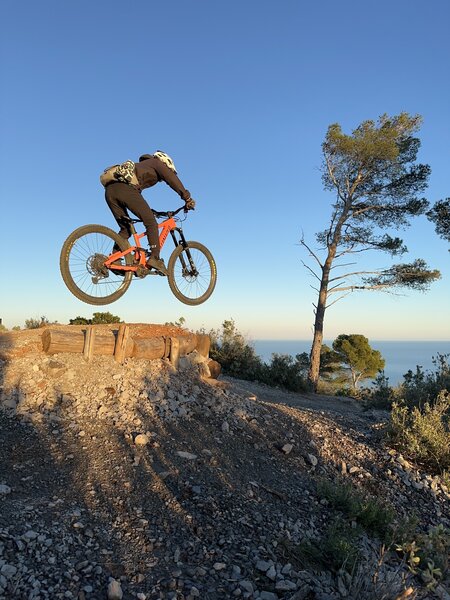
(142, 481)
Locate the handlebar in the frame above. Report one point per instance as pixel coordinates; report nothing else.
(170, 213)
(158, 214)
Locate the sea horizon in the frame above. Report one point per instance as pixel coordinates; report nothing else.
(400, 355)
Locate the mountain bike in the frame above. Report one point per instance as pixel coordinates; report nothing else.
(98, 265)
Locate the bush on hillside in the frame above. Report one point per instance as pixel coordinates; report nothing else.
(422, 386)
(98, 318)
(418, 387)
(37, 323)
(239, 359)
(231, 350)
(286, 372)
(381, 396)
(423, 434)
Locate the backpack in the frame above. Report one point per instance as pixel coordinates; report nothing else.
(125, 173)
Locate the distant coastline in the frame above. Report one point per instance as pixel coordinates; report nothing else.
(400, 356)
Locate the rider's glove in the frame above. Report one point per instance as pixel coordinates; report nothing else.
(190, 204)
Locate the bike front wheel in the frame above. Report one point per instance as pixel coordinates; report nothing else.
(82, 265)
(192, 273)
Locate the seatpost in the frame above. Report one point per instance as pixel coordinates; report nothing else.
(132, 228)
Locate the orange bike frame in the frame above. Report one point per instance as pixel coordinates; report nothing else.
(140, 258)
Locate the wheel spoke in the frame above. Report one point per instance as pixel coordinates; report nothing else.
(194, 282)
(82, 265)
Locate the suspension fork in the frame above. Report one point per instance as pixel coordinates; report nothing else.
(187, 253)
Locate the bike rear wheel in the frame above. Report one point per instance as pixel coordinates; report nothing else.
(82, 265)
(192, 273)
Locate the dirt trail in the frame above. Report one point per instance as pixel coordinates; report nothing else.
(314, 402)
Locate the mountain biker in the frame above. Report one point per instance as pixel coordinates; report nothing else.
(121, 197)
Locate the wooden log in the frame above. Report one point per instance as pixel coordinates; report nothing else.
(89, 343)
(107, 342)
(174, 351)
(167, 349)
(55, 341)
(215, 368)
(121, 343)
(150, 348)
(203, 344)
(187, 343)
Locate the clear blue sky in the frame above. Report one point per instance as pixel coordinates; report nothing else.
(240, 93)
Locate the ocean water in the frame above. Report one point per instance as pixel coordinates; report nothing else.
(399, 356)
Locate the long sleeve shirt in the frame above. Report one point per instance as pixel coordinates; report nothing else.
(152, 170)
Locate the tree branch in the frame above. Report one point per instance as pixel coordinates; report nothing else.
(337, 300)
(352, 288)
(333, 179)
(310, 270)
(332, 288)
(303, 243)
(341, 266)
(357, 181)
(355, 273)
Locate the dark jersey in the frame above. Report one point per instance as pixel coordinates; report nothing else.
(152, 170)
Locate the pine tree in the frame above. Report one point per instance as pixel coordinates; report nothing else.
(377, 186)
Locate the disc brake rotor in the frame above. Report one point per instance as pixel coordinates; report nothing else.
(95, 265)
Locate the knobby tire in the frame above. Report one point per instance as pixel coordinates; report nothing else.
(75, 272)
(189, 288)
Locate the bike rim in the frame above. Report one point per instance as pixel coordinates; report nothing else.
(192, 284)
(85, 262)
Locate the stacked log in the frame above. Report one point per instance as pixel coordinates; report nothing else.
(120, 343)
(55, 341)
(150, 348)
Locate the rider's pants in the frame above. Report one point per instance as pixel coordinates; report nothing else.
(120, 198)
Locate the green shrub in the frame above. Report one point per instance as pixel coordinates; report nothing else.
(286, 372)
(368, 512)
(422, 434)
(381, 396)
(418, 387)
(422, 386)
(180, 323)
(427, 554)
(334, 551)
(36, 323)
(338, 549)
(345, 391)
(98, 318)
(80, 321)
(239, 359)
(231, 350)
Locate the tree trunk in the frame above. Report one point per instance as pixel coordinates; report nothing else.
(355, 380)
(334, 239)
(314, 359)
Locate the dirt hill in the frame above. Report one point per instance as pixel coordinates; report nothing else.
(139, 480)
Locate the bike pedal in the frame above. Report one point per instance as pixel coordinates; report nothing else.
(141, 272)
(155, 272)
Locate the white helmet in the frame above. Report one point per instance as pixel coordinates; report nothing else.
(165, 158)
